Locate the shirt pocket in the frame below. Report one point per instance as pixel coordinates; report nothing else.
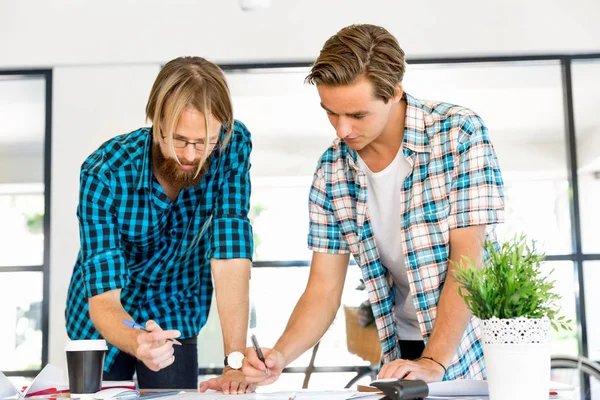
(436, 213)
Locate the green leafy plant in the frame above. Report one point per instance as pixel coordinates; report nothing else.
(510, 284)
(35, 222)
(253, 214)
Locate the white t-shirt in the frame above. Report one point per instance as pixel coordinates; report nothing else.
(384, 211)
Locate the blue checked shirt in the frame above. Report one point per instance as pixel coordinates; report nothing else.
(454, 182)
(157, 251)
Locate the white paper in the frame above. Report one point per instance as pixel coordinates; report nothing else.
(49, 377)
(284, 395)
(7, 388)
(459, 387)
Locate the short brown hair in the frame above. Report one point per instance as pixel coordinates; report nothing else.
(189, 82)
(360, 50)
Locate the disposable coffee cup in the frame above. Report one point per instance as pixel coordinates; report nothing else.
(85, 362)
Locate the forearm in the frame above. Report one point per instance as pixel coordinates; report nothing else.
(232, 280)
(450, 323)
(452, 312)
(107, 314)
(309, 321)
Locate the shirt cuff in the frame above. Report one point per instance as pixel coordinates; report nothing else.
(232, 238)
(104, 272)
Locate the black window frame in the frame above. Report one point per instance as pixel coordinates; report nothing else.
(44, 268)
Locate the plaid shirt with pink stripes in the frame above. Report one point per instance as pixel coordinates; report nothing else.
(455, 182)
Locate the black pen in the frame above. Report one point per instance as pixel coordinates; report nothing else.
(261, 357)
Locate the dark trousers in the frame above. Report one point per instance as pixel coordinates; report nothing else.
(411, 349)
(182, 374)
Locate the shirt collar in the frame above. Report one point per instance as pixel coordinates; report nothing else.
(146, 170)
(415, 135)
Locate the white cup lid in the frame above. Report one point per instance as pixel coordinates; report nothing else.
(82, 345)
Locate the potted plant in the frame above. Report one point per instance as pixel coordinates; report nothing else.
(517, 305)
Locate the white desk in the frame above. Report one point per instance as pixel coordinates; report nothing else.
(307, 394)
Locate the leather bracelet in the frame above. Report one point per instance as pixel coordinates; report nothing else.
(437, 362)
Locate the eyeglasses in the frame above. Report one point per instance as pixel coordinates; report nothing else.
(182, 144)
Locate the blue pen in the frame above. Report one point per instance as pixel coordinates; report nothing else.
(137, 326)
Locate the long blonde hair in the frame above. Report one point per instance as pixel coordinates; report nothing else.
(189, 82)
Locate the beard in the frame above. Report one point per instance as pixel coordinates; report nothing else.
(172, 172)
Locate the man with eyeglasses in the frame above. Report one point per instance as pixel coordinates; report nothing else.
(163, 211)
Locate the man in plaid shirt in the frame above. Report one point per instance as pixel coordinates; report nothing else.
(407, 187)
(162, 212)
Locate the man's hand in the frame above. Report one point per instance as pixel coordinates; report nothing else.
(423, 369)
(256, 372)
(231, 382)
(153, 349)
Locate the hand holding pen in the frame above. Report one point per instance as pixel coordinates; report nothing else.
(261, 365)
(137, 326)
(154, 348)
(259, 352)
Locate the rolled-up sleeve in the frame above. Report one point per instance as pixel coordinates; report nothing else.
(477, 189)
(103, 263)
(324, 234)
(232, 232)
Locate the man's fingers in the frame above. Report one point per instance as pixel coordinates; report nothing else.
(212, 384)
(401, 371)
(160, 358)
(152, 326)
(411, 376)
(157, 336)
(252, 359)
(253, 368)
(384, 372)
(234, 387)
(154, 353)
(156, 333)
(225, 387)
(271, 360)
(246, 387)
(167, 362)
(203, 387)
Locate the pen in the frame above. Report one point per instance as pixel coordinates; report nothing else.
(292, 396)
(137, 326)
(261, 357)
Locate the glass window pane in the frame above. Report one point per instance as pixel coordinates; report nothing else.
(22, 136)
(591, 273)
(522, 106)
(564, 342)
(22, 129)
(586, 99)
(21, 315)
(22, 228)
(289, 132)
(521, 103)
(274, 292)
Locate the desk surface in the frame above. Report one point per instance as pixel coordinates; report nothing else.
(307, 394)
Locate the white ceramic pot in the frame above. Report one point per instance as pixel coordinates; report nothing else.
(517, 357)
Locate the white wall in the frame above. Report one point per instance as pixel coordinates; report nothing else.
(91, 105)
(72, 32)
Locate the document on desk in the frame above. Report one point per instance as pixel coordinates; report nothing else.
(459, 387)
(284, 395)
